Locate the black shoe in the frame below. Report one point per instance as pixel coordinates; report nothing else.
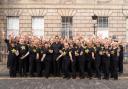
(99, 78)
(66, 77)
(107, 78)
(74, 77)
(25, 75)
(115, 78)
(32, 75)
(104, 77)
(39, 75)
(82, 77)
(21, 75)
(111, 76)
(90, 78)
(47, 77)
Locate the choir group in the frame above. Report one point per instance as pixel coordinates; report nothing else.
(79, 56)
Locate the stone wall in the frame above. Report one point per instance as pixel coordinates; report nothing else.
(82, 21)
(52, 10)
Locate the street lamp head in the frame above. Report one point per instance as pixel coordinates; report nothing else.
(94, 17)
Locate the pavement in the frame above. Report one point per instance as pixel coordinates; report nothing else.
(59, 83)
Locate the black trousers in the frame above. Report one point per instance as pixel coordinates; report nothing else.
(32, 66)
(12, 71)
(81, 62)
(39, 68)
(66, 64)
(48, 65)
(27, 64)
(114, 67)
(90, 69)
(73, 68)
(106, 66)
(22, 67)
(56, 65)
(17, 64)
(120, 64)
(11, 64)
(97, 63)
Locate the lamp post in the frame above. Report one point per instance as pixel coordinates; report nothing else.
(94, 18)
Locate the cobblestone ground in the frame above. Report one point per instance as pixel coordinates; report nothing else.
(59, 83)
(62, 84)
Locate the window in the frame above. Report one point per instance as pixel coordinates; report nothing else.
(103, 33)
(38, 26)
(66, 26)
(103, 22)
(13, 25)
(127, 28)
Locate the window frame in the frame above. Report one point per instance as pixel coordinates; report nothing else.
(9, 30)
(66, 29)
(102, 22)
(41, 30)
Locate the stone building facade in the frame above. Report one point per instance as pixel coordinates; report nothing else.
(64, 17)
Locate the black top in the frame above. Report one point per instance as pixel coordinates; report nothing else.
(48, 54)
(33, 52)
(41, 52)
(91, 50)
(12, 50)
(114, 52)
(106, 51)
(81, 49)
(97, 50)
(66, 53)
(23, 49)
(73, 50)
(56, 47)
(121, 50)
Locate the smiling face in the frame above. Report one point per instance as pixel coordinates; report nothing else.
(57, 39)
(21, 41)
(66, 45)
(46, 45)
(71, 45)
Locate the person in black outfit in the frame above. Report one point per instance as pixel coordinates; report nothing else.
(120, 63)
(12, 57)
(47, 58)
(114, 60)
(56, 47)
(67, 58)
(17, 57)
(33, 56)
(23, 53)
(74, 51)
(97, 51)
(91, 59)
(81, 60)
(106, 61)
(39, 63)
